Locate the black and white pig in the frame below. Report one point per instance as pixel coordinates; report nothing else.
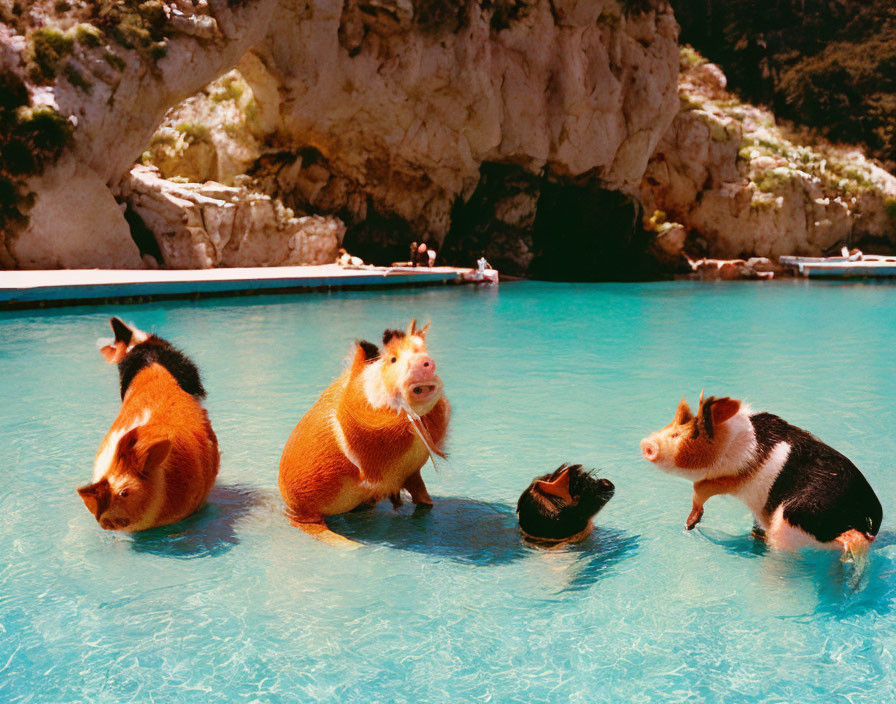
(801, 491)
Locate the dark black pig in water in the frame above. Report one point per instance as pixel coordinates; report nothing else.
(558, 507)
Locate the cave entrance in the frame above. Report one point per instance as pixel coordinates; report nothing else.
(530, 226)
(589, 234)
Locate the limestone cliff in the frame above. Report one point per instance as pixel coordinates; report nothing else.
(380, 112)
(108, 71)
(397, 105)
(553, 136)
(740, 184)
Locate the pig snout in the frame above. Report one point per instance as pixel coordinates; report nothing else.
(422, 368)
(114, 523)
(650, 449)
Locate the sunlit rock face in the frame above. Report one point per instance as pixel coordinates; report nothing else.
(200, 226)
(110, 71)
(381, 113)
(399, 104)
(743, 185)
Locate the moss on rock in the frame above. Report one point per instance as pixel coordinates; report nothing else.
(30, 139)
(194, 132)
(49, 46)
(890, 208)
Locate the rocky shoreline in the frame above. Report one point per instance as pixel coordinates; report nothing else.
(567, 140)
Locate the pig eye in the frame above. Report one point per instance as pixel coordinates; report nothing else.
(394, 360)
(124, 493)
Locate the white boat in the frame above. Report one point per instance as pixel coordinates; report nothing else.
(483, 273)
(848, 265)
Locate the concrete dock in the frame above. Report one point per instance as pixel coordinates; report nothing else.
(26, 289)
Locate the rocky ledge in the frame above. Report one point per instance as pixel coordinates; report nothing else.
(200, 226)
(728, 181)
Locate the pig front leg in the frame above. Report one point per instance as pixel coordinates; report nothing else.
(704, 490)
(417, 489)
(695, 515)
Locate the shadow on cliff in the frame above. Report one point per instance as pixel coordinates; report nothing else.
(209, 532)
(478, 533)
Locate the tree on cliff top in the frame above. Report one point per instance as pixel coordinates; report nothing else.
(829, 64)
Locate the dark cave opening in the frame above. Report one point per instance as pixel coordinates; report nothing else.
(143, 237)
(380, 239)
(534, 227)
(590, 234)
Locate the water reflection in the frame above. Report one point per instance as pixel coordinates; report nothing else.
(208, 532)
(813, 582)
(482, 534)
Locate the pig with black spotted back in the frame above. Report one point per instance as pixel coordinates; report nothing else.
(801, 491)
(159, 460)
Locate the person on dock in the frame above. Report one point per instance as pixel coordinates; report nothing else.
(346, 260)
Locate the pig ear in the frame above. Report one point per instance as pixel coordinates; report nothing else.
(123, 332)
(371, 351)
(422, 331)
(88, 495)
(724, 409)
(127, 333)
(412, 327)
(146, 461)
(93, 493)
(714, 412)
(391, 334)
(127, 447)
(114, 353)
(359, 358)
(558, 486)
(155, 456)
(682, 413)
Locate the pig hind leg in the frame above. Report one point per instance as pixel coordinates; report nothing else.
(784, 535)
(319, 530)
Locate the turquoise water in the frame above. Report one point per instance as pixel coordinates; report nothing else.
(448, 606)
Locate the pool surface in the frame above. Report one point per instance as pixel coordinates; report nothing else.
(233, 604)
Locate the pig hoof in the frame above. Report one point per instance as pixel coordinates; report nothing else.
(396, 500)
(423, 503)
(694, 518)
